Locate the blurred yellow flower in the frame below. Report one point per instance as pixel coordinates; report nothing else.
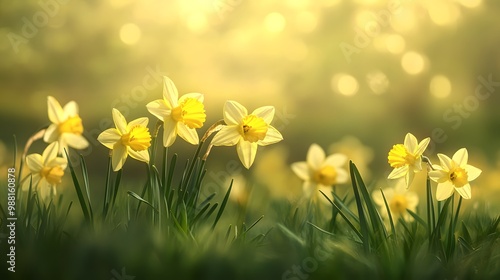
(131, 138)
(180, 116)
(407, 159)
(246, 131)
(320, 172)
(46, 169)
(454, 174)
(399, 200)
(66, 127)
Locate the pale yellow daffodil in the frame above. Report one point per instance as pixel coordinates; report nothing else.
(126, 139)
(180, 116)
(406, 159)
(399, 199)
(247, 131)
(66, 127)
(46, 170)
(454, 174)
(321, 172)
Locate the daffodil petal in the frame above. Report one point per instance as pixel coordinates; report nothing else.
(472, 172)
(138, 122)
(272, 136)
(70, 109)
(411, 142)
(75, 141)
(438, 176)
(51, 133)
(422, 146)
(56, 113)
(109, 137)
(119, 156)
(120, 121)
(265, 112)
(398, 172)
(34, 162)
(227, 136)
(159, 109)
(58, 161)
(342, 176)
(464, 191)
(301, 169)
(315, 156)
(336, 160)
(446, 162)
(234, 112)
(188, 134)
(461, 157)
(50, 152)
(308, 188)
(44, 188)
(409, 178)
(246, 152)
(444, 190)
(169, 132)
(170, 93)
(139, 155)
(195, 95)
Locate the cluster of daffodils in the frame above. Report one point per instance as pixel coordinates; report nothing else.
(179, 116)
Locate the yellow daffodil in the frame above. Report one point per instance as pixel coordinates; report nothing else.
(66, 127)
(247, 131)
(131, 138)
(406, 159)
(454, 174)
(180, 116)
(399, 200)
(46, 169)
(320, 172)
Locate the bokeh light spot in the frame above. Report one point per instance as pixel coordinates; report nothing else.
(130, 34)
(197, 22)
(395, 43)
(413, 63)
(306, 21)
(377, 81)
(275, 22)
(440, 86)
(345, 84)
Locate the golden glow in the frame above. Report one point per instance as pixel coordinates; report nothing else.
(253, 128)
(443, 13)
(377, 81)
(71, 125)
(345, 84)
(471, 3)
(440, 86)
(326, 175)
(395, 43)
(197, 22)
(398, 204)
(138, 138)
(130, 34)
(274, 22)
(413, 63)
(191, 112)
(306, 21)
(404, 21)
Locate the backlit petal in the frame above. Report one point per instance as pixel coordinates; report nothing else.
(422, 146)
(188, 134)
(464, 191)
(195, 95)
(439, 176)
(265, 112)
(227, 136)
(169, 132)
(246, 152)
(272, 136)
(301, 169)
(461, 157)
(159, 109)
(120, 121)
(56, 113)
(335, 160)
(234, 112)
(75, 141)
(444, 190)
(119, 156)
(109, 137)
(411, 143)
(170, 93)
(34, 162)
(138, 122)
(51, 133)
(50, 152)
(446, 162)
(315, 156)
(139, 155)
(342, 176)
(70, 109)
(472, 172)
(398, 172)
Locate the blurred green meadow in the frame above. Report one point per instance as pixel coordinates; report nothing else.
(353, 77)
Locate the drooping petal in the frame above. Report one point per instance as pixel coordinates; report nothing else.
(119, 156)
(56, 113)
(188, 134)
(422, 146)
(272, 136)
(51, 133)
(198, 96)
(234, 112)
(265, 112)
(50, 152)
(461, 157)
(138, 122)
(446, 162)
(169, 132)
(159, 109)
(444, 190)
(246, 152)
(411, 143)
(315, 156)
(75, 141)
(109, 137)
(301, 169)
(34, 162)
(170, 94)
(398, 172)
(409, 177)
(70, 109)
(472, 172)
(139, 155)
(464, 191)
(335, 160)
(120, 121)
(227, 136)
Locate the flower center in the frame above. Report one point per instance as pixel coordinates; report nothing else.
(71, 125)
(253, 128)
(398, 204)
(326, 175)
(191, 112)
(399, 156)
(459, 177)
(53, 175)
(138, 138)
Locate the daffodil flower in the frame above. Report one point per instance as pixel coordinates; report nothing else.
(406, 159)
(320, 172)
(247, 131)
(126, 139)
(46, 169)
(399, 199)
(454, 174)
(66, 127)
(180, 116)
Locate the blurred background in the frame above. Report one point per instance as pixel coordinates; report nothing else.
(351, 76)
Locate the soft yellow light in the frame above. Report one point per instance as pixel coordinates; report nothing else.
(395, 43)
(440, 86)
(306, 21)
(330, 3)
(130, 34)
(377, 81)
(275, 22)
(471, 3)
(413, 63)
(403, 21)
(443, 13)
(345, 84)
(297, 51)
(197, 22)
